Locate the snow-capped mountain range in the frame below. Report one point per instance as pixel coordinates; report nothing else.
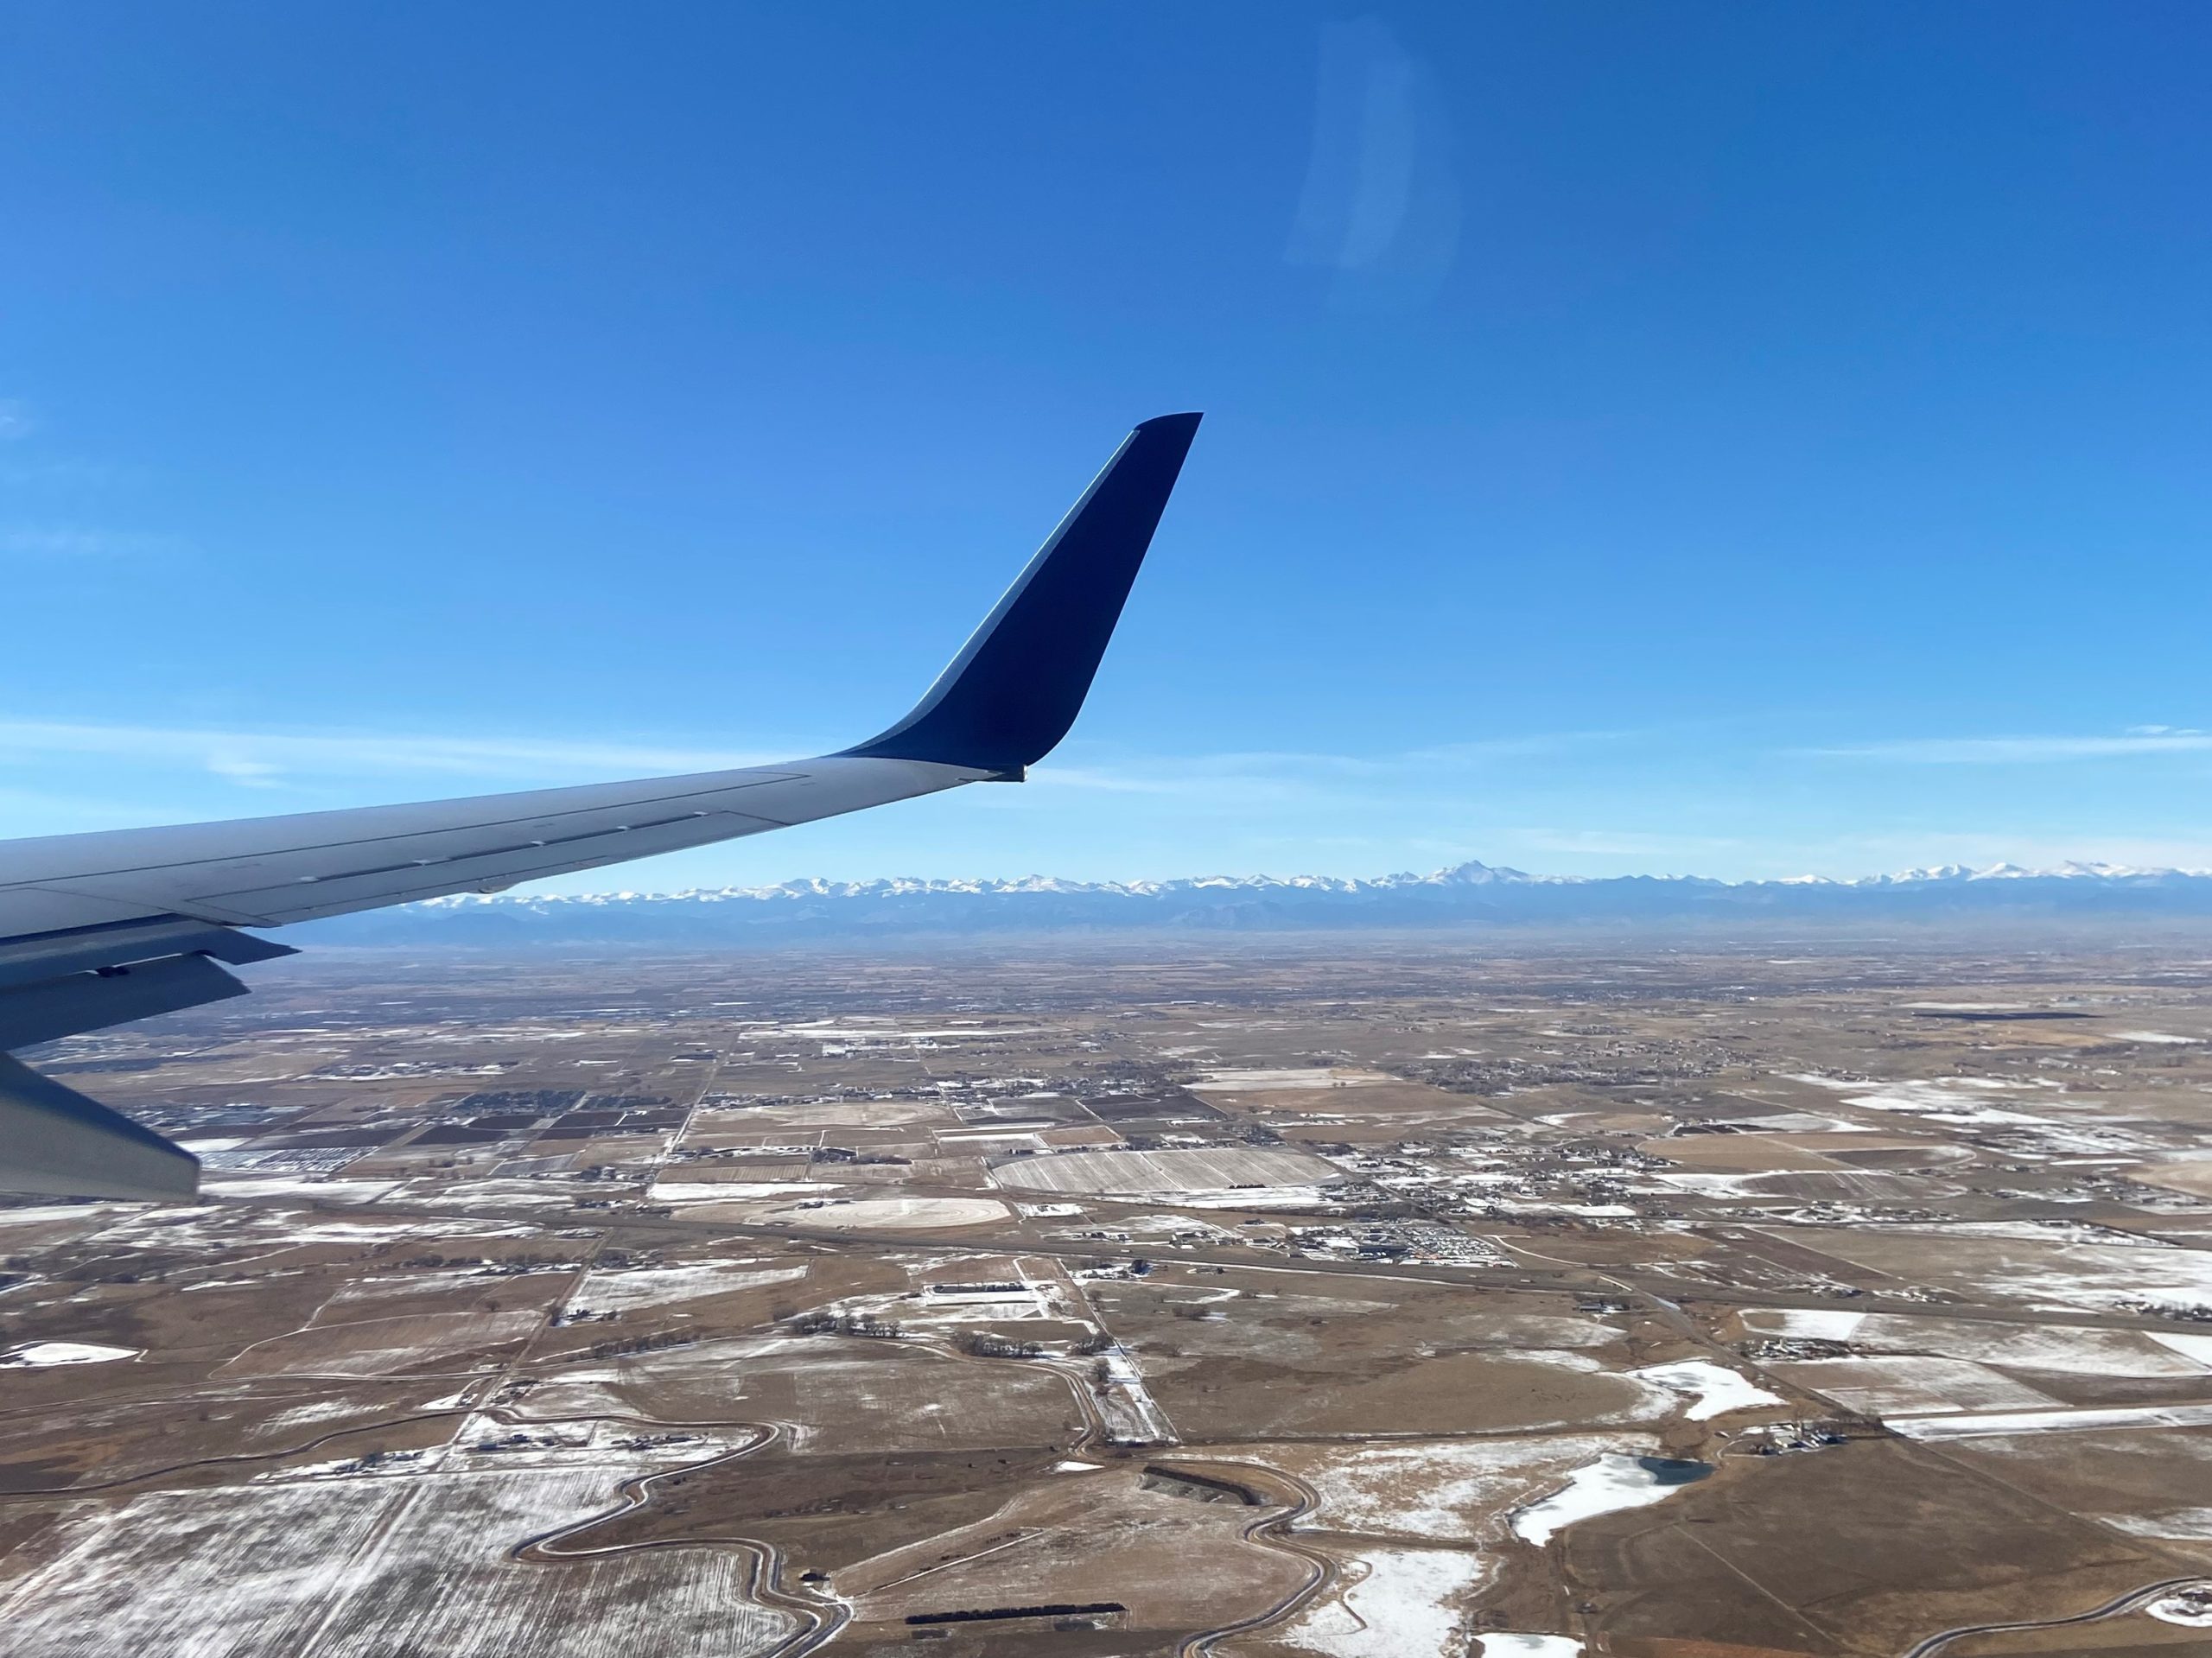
(1468, 894)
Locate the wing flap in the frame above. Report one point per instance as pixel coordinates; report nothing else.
(25, 961)
(61, 1144)
(78, 1003)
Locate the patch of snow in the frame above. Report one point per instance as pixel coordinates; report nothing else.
(1606, 1486)
(2198, 1348)
(2180, 1524)
(609, 1291)
(1713, 1389)
(40, 1214)
(39, 1355)
(1501, 1643)
(1401, 1608)
(1808, 1323)
(1262, 1081)
(698, 1192)
(2192, 1609)
(322, 1190)
(1259, 1197)
(1912, 1384)
(2056, 1421)
(1450, 1491)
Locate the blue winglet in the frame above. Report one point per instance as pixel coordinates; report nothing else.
(1016, 686)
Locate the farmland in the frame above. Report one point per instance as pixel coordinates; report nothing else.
(1104, 1298)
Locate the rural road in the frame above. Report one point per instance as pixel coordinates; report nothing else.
(2134, 1600)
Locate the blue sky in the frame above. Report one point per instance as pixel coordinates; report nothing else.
(1735, 440)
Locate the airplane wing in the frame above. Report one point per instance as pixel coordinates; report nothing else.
(98, 930)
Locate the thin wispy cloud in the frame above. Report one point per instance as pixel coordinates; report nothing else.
(79, 542)
(263, 760)
(2137, 741)
(15, 421)
(1238, 781)
(1152, 773)
(270, 758)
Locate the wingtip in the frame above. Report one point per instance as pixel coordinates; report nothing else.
(1016, 686)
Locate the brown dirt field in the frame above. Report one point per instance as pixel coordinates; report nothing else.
(1223, 1398)
(200, 1330)
(2136, 1635)
(395, 1344)
(1376, 1131)
(1925, 1154)
(1604, 1249)
(2146, 1471)
(738, 1312)
(842, 1393)
(906, 1142)
(118, 1440)
(746, 1169)
(1098, 1134)
(1656, 1647)
(2192, 1177)
(1398, 1357)
(1176, 1564)
(805, 1121)
(1367, 1100)
(829, 1512)
(30, 1231)
(1860, 1550)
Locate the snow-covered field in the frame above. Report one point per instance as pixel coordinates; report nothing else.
(321, 1190)
(2192, 1610)
(1983, 1425)
(1451, 1490)
(1712, 1389)
(1804, 1323)
(371, 1568)
(1402, 1607)
(2096, 1276)
(1214, 1168)
(34, 1356)
(895, 1214)
(1259, 1081)
(1605, 1486)
(701, 1192)
(1903, 1385)
(2192, 1525)
(2079, 1349)
(606, 1291)
(1129, 1407)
